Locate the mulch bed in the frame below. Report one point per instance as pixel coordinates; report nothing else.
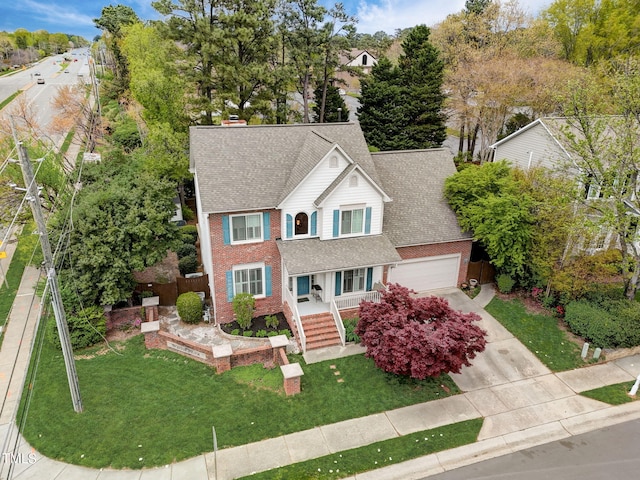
(258, 323)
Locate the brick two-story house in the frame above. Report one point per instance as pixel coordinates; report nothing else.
(306, 219)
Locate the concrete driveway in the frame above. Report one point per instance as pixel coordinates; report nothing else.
(504, 360)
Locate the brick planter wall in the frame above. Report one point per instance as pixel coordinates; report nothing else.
(123, 316)
(268, 356)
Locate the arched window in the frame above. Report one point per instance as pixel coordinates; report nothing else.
(301, 224)
(364, 60)
(353, 181)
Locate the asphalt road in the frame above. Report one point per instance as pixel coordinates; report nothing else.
(609, 453)
(40, 96)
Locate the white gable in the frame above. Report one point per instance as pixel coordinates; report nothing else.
(530, 147)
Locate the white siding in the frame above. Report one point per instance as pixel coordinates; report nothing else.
(536, 144)
(301, 200)
(204, 235)
(364, 194)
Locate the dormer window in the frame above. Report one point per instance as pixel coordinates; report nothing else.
(352, 221)
(301, 224)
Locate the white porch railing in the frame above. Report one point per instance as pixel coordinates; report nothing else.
(296, 318)
(338, 319)
(353, 300)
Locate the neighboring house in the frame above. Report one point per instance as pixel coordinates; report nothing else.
(358, 58)
(351, 59)
(534, 145)
(306, 219)
(540, 144)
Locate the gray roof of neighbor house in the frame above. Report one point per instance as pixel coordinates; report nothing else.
(314, 255)
(419, 213)
(256, 167)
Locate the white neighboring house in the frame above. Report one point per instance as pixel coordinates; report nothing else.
(540, 144)
(359, 58)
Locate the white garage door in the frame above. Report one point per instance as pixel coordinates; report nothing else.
(427, 273)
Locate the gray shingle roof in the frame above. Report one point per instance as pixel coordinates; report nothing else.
(255, 167)
(314, 255)
(419, 213)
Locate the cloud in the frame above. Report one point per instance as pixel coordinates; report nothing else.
(389, 15)
(57, 14)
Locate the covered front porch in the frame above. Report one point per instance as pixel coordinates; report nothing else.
(322, 278)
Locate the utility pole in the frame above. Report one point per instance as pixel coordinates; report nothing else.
(56, 299)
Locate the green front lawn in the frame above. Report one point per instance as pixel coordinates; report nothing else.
(379, 454)
(146, 408)
(612, 394)
(539, 333)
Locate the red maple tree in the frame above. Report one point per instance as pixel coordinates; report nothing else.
(418, 337)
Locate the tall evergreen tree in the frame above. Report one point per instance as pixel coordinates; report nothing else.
(333, 102)
(421, 76)
(401, 107)
(381, 111)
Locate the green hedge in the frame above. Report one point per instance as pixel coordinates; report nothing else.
(86, 328)
(611, 325)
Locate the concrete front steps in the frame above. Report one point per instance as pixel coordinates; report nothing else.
(320, 330)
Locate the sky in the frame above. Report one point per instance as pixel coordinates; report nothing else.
(75, 17)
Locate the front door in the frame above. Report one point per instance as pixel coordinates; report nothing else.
(303, 285)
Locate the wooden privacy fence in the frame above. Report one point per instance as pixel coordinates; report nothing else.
(169, 292)
(482, 271)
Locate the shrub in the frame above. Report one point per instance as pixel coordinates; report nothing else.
(235, 331)
(86, 328)
(350, 330)
(243, 306)
(272, 334)
(187, 213)
(189, 307)
(505, 283)
(185, 250)
(189, 234)
(271, 321)
(418, 337)
(188, 265)
(286, 332)
(608, 325)
(261, 333)
(247, 333)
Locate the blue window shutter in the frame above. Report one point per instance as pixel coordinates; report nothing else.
(369, 278)
(229, 274)
(266, 223)
(338, 283)
(267, 280)
(367, 220)
(289, 226)
(314, 223)
(226, 234)
(336, 223)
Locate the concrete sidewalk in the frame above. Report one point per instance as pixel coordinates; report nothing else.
(523, 404)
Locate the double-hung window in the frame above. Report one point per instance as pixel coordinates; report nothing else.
(353, 280)
(246, 228)
(352, 221)
(249, 280)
